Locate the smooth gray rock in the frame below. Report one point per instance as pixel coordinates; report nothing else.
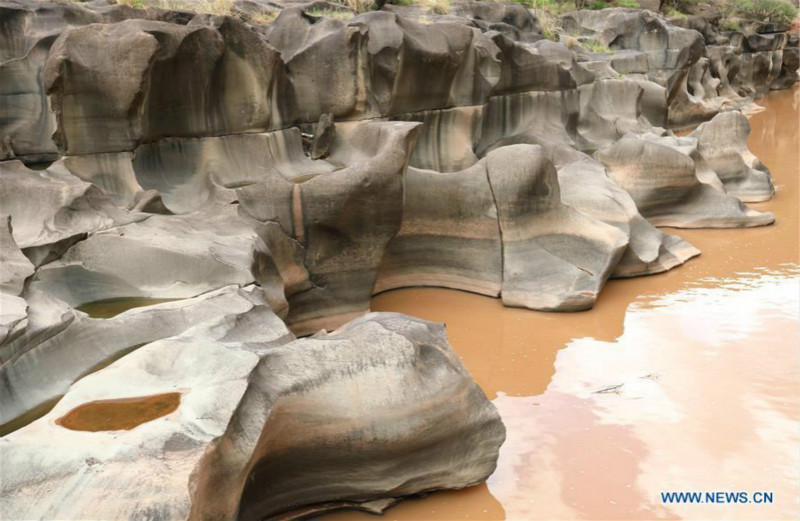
(586, 187)
(61, 344)
(16, 268)
(146, 471)
(164, 256)
(416, 411)
(190, 173)
(210, 77)
(723, 144)
(328, 233)
(51, 209)
(663, 182)
(450, 236)
(554, 257)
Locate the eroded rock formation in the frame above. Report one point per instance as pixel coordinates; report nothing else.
(261, 426)
(268, 180)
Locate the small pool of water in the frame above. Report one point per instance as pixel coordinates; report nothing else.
(120, 414)
(112, 307)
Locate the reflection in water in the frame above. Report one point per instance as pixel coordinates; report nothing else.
(120, 414)
(683, 381)
(114, 306)
(703, 397)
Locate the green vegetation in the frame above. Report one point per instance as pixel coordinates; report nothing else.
(436, 6)
(218, 7)
(671, 12)
(675, 8)
(731, 25)
(781, 11)
(330, 13)
(595, 47)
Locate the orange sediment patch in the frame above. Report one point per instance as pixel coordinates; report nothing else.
(120, 414)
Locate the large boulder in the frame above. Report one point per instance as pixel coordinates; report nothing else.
(123, 443)
(383, 391)
(586, 187)
(164, 256)
(157, 79)
(200, 425)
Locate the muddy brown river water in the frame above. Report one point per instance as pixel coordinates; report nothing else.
(683, 381)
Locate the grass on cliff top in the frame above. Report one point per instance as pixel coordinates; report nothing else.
(548, 11)
(781, 11)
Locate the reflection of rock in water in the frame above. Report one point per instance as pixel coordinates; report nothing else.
(274, 178)
(119, 414)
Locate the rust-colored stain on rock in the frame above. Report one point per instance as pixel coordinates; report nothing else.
(121, 414)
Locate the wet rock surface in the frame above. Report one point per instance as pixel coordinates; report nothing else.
(242, 184)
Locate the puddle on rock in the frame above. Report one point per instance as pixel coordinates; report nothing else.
(703, 362)
(112, 307)
(119, 414)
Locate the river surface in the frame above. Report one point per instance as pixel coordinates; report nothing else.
(683, 381)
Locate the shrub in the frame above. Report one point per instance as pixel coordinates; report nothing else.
(731, 25)
(780, 11)
(595, 47)
(437, 6)
(675, 8)
(217, 7)
(633, 4)
(671, 12)
(330, 13)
